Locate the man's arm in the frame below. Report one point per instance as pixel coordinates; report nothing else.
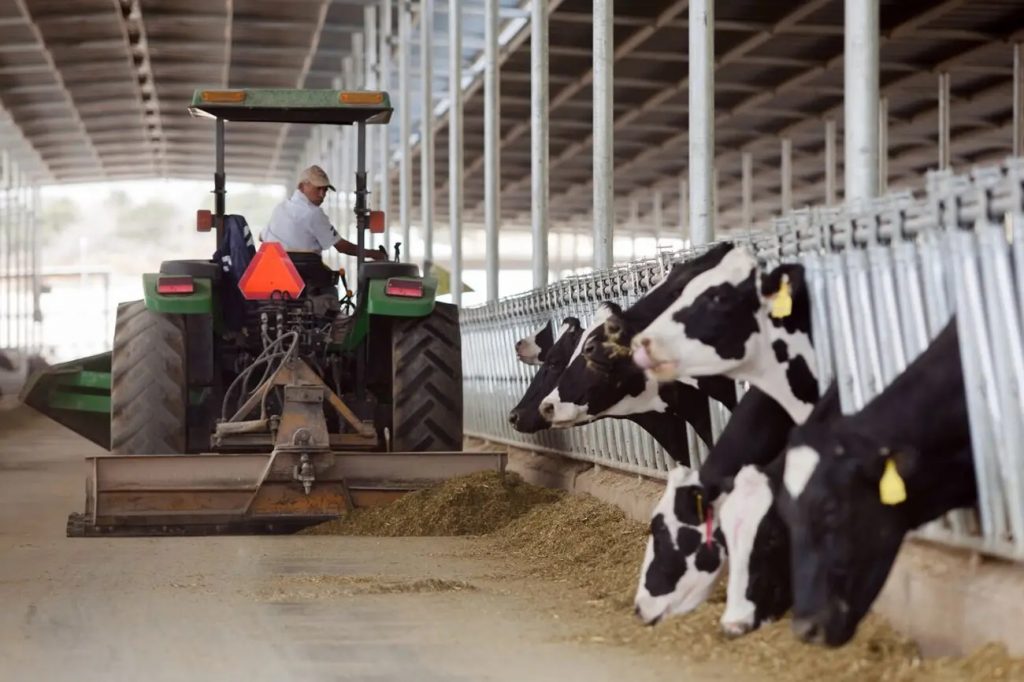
(349, 249)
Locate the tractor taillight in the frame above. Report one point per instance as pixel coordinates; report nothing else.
(175, 284)
(409, 288)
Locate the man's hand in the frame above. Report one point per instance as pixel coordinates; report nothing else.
(377, 254)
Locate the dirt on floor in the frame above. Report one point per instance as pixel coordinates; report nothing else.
(595, 551)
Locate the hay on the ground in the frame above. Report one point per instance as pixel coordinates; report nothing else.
(467, 505)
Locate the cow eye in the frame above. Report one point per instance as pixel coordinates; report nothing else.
(590, 348)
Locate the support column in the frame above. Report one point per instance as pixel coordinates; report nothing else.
(787, 175)
(604, 143)
(860, 105)
(539, 139)
(405, 126)
(371, 46)
(657, 215)
(684, 195)
(702, 121)
(384, 144)
(427, 132)
(943, 121)
(455, 144)
(1018, 99)
(492, 150)
(883, 146)
(747, 189)
(830, 162)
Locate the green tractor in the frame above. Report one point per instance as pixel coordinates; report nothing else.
(267, 402)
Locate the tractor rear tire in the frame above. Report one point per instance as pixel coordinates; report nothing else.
(426, 366)
(148, 396)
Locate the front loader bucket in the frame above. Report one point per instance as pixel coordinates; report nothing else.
(220, 494)
(75, 394)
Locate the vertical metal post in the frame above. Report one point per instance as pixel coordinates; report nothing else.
(830, 162)
(455, 144)
(702, 121)
(943, 120)
(219, 192)
(747, 188)
(1018, 99)
(384, 201)
(492, 151)
(684, 215)
(883, 146)
(427, 132)
(362, 215)
(787, 175)
(860, 104)
(604, 144)
(657, 216)
(539, 140)
(37, 314)
(405, 125)
(370, 83)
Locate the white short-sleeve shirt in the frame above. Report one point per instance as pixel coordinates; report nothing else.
(300, 225)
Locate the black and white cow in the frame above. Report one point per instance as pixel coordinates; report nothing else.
(845, 537)
(525, 417)
(602, 379)
(727, 321)
(534, 349)
(756, 433)
(735, 320)
(684, 551)
(613, 386)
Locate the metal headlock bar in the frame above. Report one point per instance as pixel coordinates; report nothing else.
(885, 275)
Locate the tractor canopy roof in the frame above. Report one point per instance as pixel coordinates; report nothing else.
(340, 107)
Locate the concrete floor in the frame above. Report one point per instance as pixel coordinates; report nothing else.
(259, 608)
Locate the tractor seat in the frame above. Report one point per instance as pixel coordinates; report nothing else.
(312, 270)
(378, 270)
(203, 269)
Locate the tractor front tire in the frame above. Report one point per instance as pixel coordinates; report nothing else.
(426, 366)
(148, 396)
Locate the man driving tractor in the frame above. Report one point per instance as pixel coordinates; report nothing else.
(300, 224)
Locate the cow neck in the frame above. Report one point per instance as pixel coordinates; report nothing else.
(668, 429)
(925, 409)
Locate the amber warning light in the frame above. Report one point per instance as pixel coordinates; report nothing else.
(271, 274)
(409, 288)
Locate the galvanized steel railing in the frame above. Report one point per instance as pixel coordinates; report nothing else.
(885, 276)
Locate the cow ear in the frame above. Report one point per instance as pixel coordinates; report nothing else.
(572, 323)
(784, 288)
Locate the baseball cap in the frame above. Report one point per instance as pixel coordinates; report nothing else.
(316, 176)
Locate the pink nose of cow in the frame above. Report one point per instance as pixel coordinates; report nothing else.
(641, 355)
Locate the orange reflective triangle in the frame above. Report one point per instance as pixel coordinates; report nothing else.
(271, 274)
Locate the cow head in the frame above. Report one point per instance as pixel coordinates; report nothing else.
(533, 349)
(601, 380)
(734, 321)
(844, 539)
(760, 584)
(684, 551)
(525, 417)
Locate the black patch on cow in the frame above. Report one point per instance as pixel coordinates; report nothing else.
(545, 339)
(685, 505)
(722, 389)
(723, 317)
(708, 559)
(657, 300)
(802, 380)
(781, 350)
(770, 584)
(668, 565)
(688, 541)
(719, 536)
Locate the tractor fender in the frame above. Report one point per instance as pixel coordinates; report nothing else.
(199, 302)
(379, 302)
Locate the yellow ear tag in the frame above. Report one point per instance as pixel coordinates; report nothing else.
(782, 303)
(891, 489)
(700, 508)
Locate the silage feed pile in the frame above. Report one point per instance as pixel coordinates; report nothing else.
(583, 543)
(468, 505)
